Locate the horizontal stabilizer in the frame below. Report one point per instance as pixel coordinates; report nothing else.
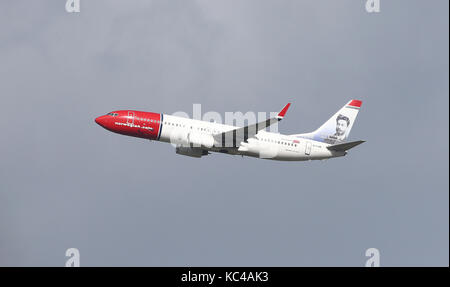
(344, 146)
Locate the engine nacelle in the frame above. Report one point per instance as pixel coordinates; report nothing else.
(200, 140)
(192, 139)
(192, 152)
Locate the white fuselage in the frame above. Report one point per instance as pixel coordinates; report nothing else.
(264, 144)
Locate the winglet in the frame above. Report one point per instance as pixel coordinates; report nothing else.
(283, 111)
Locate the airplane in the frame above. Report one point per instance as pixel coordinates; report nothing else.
(197, 138)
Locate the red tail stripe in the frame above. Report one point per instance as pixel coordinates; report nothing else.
(355, 103)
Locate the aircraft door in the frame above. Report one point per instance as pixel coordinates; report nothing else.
(130, 119)
(308, 148)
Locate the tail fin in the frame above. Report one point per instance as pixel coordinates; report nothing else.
(337, 128)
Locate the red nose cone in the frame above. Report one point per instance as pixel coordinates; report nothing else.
(100, 120)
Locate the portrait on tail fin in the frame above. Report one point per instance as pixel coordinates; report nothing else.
(342, 124)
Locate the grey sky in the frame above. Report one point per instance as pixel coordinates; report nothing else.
(66, 182)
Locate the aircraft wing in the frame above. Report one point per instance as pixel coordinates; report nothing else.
(234, 137)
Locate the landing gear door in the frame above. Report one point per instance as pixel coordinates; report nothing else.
(308, 148)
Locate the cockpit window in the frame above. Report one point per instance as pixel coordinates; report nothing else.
(112, 114)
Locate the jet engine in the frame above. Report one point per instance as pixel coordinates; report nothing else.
(192, 152)
(200, 140)
(192, 139)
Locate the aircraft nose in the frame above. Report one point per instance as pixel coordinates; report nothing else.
(100, 121)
